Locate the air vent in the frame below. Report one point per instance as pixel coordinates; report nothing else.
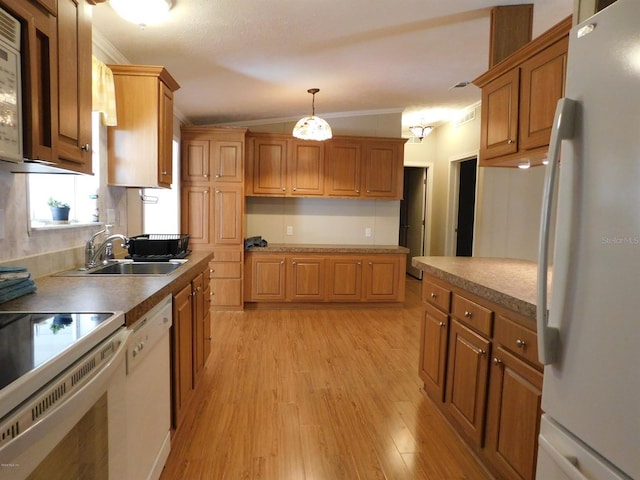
(9, 29)
(9, 432)
(83, 371)
(51, 399)
(468, 116)
(460, 85)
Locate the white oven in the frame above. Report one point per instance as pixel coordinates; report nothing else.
(62, 395)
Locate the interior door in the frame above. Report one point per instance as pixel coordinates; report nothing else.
(412, 215)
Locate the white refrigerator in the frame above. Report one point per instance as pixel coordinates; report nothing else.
(589, 340)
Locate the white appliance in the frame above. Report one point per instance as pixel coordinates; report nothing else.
(590, 338)
(10, 89)
(148, 394)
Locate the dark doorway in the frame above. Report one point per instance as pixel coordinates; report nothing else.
(466, 208)
(412, 215)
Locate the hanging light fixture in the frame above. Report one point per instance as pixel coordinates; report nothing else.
(312, 128)
(421, 131)
(142, 12)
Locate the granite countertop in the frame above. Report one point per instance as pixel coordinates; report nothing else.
(508, 282)
(133, 295)
(311, 248)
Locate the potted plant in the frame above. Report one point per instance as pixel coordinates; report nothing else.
(59, 210)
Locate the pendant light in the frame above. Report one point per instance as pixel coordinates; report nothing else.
(421, 131)
(312, 128)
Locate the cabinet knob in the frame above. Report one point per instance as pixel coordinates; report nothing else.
(468, 314)
(434, 295)
(357, 191)
(205, 192)
(481, 352)
(213, 270)
(294, 263)
(282, 262)
(217, 175)
(520, 343)
(441, 324)
(164, 172)
(85, 148)
(509, 141)
(217, 191)
(370, 263)
(496, 361)
(294, 189)
(368, 191)
(284, 189)
(359, 263)
(205, 175)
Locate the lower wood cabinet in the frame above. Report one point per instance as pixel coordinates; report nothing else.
(190, 342)
(479, 364)
(332, 277)
(225, 280)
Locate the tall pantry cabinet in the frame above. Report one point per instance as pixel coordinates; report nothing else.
(212, 199)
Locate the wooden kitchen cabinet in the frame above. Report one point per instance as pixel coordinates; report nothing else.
(519, 97)
(141, 145)
(324, 277)
(357, 167)
(212, 167)
(74, 85)
(484, 374)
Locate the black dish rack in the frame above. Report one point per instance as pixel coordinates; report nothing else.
(158, 247)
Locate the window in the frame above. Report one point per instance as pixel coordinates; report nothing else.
(80, 192)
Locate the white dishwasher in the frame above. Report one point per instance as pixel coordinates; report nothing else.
(148, 394)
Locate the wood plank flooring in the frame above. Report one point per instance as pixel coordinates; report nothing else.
(317, 394)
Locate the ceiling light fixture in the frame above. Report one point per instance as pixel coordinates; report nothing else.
(312, 128)
(142, 12)
(421, 131)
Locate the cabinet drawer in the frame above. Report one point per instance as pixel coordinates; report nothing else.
(519, 340)
(227, 256)
(436, 295)
(472, 314)
(224, 270)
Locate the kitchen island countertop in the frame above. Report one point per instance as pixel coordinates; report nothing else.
(324, 248)
(133, 295)
(508, 282)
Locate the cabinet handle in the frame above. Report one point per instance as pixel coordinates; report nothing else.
(520, 343)
(213, 270)
(217, 175)
(368, 191)
(85, 148)
(294, 263)
(217, 191)
(357, 190)
(205, 192)
(295, 188)
(468, 314)
(284, 189)
(359, 264)
(164, 172)
(509, 141)
(496, 361)
(282, 262)
(370, 263)
(441, 324)
(434, 295)
(481, 352)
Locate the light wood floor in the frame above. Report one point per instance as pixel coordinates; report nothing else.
(317, 394)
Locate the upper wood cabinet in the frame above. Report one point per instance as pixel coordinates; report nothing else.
(140, 146)
(74, 86)
(519, 97)
(212, 154)
(357, 167)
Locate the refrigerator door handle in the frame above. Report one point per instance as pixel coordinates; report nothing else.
(548, 336)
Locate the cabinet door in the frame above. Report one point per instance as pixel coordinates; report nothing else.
(433, 352)
(499, 124)
(226, 293)
(227, 214)
(467, 376)
(343, 165)
(382, 168)
(227, 161)
(196, 214)
(306, 279)
(513, 418)
(74, 87)
(165, 136)
(269, 166)
(197, 290)
(182, 346)
(267, 278)
(305, 170)
(344, 281)
(384, 278)
(195, 161)
(206, 339)
(542, 85)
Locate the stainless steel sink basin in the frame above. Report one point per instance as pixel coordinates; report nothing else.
(127, 267)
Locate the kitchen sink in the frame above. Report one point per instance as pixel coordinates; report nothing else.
(127, 267)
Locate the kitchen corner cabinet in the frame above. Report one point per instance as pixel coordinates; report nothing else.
(212, 206)
(191, 342)
(327, 277)
(519, 97)
(140, 146)
(479, 364)
(356, 167)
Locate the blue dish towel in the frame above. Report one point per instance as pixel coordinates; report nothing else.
(15, 288)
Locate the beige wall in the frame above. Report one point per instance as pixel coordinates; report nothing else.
(329, 221)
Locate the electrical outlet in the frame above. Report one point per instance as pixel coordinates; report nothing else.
(367, 232)
(289, 230)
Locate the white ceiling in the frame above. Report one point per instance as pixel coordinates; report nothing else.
(244, 61)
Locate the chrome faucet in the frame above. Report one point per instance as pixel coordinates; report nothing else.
(91, 253)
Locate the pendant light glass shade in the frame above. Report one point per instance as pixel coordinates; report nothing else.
(312, 127)
(420, 131)
(142, 12)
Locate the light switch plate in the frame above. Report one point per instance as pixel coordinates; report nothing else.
(289, 230)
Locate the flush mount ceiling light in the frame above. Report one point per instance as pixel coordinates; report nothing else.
(421, 131)
(312, 128)
(142, 12)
